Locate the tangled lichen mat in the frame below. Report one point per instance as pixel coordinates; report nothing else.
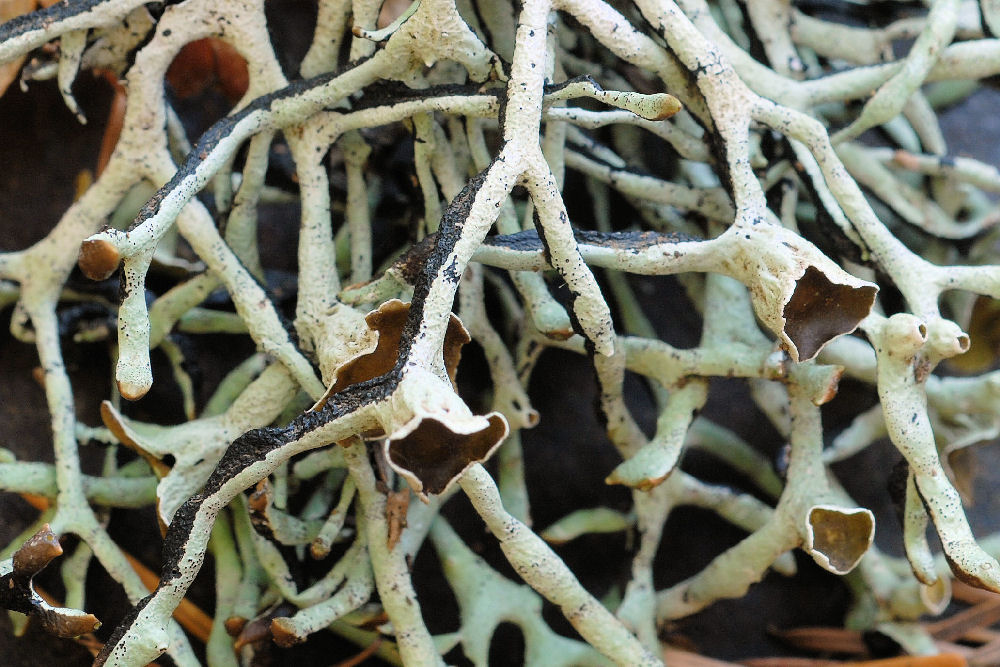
(327, 253)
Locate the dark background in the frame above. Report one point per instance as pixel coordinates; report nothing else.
(43, 148)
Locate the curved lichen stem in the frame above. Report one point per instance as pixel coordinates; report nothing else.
(546, 573)
(392, 577)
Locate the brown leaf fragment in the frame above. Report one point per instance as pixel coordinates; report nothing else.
(192, 70)
(987, 655)
(942, 660)
(205, 63)
(8, 73)
(231, 69)
(396, 504)
(958, 625)
(823, 639)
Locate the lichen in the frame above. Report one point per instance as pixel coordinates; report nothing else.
(759, 207)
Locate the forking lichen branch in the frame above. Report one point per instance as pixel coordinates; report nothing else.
(502, 101)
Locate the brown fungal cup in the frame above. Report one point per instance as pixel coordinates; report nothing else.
(837, 537)
(435, 454)
(821, 310)
(98, 259)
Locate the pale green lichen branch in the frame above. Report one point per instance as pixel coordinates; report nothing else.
(778, 228)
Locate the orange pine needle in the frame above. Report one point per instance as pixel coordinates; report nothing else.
(116, 118)
(8, 10)
(368, 652)
(676, 657)
(942, 660)
(188, 614)
(40, 503)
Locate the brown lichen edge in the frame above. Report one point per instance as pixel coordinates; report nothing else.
(820, 310)
(98, 259)
(432, 455)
